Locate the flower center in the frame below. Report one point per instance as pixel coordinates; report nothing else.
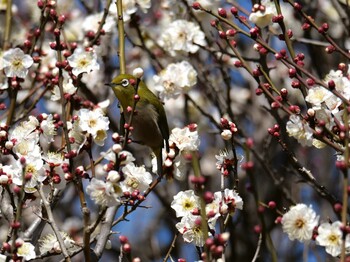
(333, 239)
(17, 63)
(187, 204)
(299, 223)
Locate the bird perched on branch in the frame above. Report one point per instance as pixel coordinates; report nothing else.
(148, 121)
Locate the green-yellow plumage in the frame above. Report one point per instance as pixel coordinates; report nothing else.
(150, 126)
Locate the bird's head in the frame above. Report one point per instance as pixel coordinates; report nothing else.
(124, 88)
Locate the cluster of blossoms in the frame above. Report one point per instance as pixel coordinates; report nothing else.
(302, 223)
(327, 109)
(228, 128)
(175, 79)
(187, 205)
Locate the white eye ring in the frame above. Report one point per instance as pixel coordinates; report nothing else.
(125, 82)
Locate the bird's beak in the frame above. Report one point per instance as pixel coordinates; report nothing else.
(109, 84)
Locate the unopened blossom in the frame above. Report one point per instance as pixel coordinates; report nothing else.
(178, 165)
(299, 222)
(226, 134)
(136, 178)
(299, 129)
(175, 79)
(185, 202)
(125, 156)
(95, 123)
(104, 193)
(185, 139)
(68, 88)
(182, 36)
(263, 17)
(15, 63)
(49, 243)
(330, 236)
(26, 251)
(83, 61)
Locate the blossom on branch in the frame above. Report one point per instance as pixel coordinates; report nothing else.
(182, 36)
(330, 236)
(83, 61)
(299, 222)
(175, 79)
(15, 63)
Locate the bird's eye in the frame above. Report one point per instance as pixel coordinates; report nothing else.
(125, 82)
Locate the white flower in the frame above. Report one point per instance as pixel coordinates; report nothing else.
(317, 95)
(54, 159)
(25, 138)
(185, 139)
(225, 160)
(130, 7)
(185, 202)
(191, 228)
(49, 243)
(68, 88)
(48, 128)
(32, 169)
(263, 18)
(299, 222)
(76, 134)
(83, 61)
(229, 200)
(300, 130)
(16, 63)
(2, 257)
(92, 22)
(104, 193)
(135, 178)
(330, 236)
(182, 35)
(26, 251)
(175, 79)
(95, 123)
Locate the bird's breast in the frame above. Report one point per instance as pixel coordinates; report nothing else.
(145, 126)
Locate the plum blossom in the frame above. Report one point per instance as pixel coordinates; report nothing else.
(136, 178)
(94, 123)
(297, 128)
(83, 61)
(104, 193)
(26, 251)
(262, 14)
(15, 63)
(49, 243)
(185, 202)
(182, 36)
(331, 237)
(191, 229)
(185, 139)
(175, 79)
(299, 222)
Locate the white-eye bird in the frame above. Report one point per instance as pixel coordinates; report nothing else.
(149, 122)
